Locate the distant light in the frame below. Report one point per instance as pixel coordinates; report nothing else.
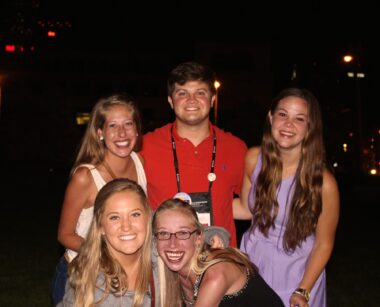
(216, 84)
(51, 33)
(294, 72)
(82, 118)
(360, 75)
(335, 164)
(345, 147)
(350, 74)
(10, 48)
(348, 58)
(373, 171)
(351, 134)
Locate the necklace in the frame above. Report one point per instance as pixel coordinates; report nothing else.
(109, 170)
(186, 300)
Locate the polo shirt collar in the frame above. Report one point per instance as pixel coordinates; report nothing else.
(177, 137)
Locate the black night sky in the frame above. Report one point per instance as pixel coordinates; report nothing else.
(103, 47)
(135, 47)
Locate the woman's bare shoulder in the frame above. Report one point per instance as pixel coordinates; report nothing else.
(253, 153)
(251, 159)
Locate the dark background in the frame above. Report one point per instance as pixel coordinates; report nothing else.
(101, 48)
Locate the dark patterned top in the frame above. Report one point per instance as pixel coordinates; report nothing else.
(255, 293)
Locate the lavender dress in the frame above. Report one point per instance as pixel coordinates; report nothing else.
(280, 270)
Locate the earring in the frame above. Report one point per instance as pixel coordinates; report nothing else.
(101, 138)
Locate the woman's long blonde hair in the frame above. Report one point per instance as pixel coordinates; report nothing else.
(92, 149)
(171, 284)
(94, 258)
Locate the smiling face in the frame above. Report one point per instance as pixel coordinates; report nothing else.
(289, 123)
(124, 224)
(191, 102)
(119, 131)
(176, 254)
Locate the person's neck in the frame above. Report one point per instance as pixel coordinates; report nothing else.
(290, 161)
(195, 134)
(131, 267)
(116, 166)
(187, 281)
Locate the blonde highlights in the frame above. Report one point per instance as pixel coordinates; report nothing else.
(94, 259)
(306, 201)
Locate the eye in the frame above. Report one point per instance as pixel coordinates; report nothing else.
(163, 234)
(182, 233)
(112, 125)
(129, 123)
(113, 217)
(202, 93)
(181, 93)
(136, 214)
(301, 119)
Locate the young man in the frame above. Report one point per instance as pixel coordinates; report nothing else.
(191, 156)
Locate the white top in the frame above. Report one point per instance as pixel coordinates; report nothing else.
(86, 215)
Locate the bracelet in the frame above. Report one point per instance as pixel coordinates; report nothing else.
(302, 292)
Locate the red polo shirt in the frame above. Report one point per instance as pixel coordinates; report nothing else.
(194, 166)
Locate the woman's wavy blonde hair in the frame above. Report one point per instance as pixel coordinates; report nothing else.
(94, 258)
(170, 285)
(92, 150)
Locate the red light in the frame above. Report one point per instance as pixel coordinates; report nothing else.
(51, 33)
(10, 48)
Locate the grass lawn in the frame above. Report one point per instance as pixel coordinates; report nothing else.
(29, 250)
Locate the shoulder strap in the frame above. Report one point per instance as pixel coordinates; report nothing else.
(141, 177)
(98, 179)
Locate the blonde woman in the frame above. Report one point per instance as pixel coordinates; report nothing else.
(198, 275)
(114, 265)
(108, 151)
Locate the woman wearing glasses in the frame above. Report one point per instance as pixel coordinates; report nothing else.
(198, 275)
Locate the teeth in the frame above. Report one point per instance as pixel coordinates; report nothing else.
(127, 238)
(287, 133)
(174, 256)
(125, 143)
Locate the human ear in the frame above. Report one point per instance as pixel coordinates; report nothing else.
(270, 117)
(100, 134)
(213, 98)
(170, 100)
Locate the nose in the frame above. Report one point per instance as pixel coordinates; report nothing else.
(121, 131)
(125, 223)
(173, 240)
(289, 122)
(192, 97)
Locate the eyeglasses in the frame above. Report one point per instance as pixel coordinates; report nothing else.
(180, 235)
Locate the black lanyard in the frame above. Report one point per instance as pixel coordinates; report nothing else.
(176, 161)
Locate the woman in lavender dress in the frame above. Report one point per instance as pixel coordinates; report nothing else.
(293, 200)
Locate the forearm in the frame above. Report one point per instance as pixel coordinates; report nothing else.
(72, 241)
(316, 263)
(240, 211)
